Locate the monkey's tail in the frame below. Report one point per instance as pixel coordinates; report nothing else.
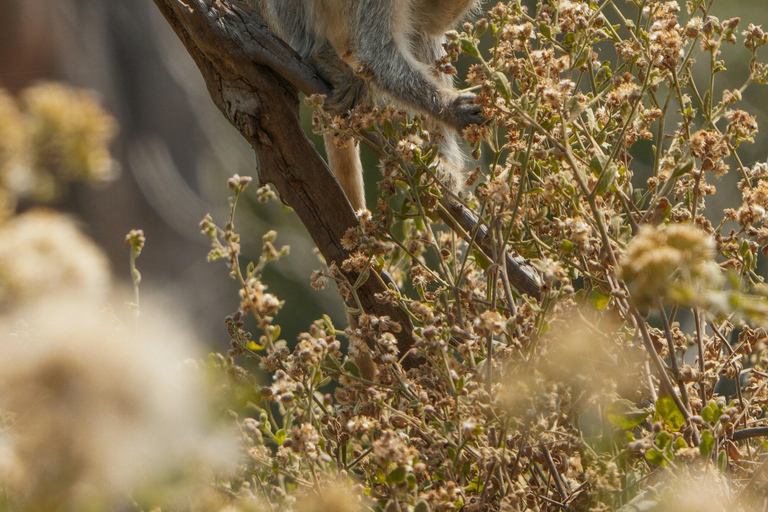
(345, 163)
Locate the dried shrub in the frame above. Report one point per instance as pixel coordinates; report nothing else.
(585, 399)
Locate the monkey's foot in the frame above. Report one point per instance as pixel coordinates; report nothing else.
(461, 111)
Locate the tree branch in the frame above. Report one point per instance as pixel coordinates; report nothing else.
(254, 78)
(467, 220)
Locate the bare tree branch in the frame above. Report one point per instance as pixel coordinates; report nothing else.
(232, 51)
(467, 220)
(254, 78)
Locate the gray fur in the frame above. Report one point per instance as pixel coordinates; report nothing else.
(398, 41)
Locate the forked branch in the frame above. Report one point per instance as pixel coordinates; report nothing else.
(254, 78)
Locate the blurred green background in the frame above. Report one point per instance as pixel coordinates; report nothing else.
(176, 151)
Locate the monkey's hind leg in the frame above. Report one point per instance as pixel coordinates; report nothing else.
(452, 159)
(345, 163)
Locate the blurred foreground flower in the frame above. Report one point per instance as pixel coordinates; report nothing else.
(55, 134)
(43, 253)
(97, 414)
(336, 496)
(691, 491)
(676, 263)
(70, 135)
(14, 152)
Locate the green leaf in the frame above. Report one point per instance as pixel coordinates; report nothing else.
(280, 437)
(351, 367)
(481, 260)
(682, 167)
(601, 165)
(431, 155)
(252, 345)
(597, 163)
(549, 123)
(591, 121)
(722, 461)
(607, 179)
(332, 362)
(329, 325)
(422, 506)
(583, 56)
(599, 300)
(654, 457)
(603, 74)
(669, 412)
(388, 128)
(663, 440)
(397, 475)
(470, 48)
(362, 277)
(475, 485)
(707, 444)
(623, 414)
(502, 84)
(575, 108)
(707, 414)
(711, 412)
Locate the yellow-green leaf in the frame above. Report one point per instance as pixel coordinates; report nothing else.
(669, 412)
(397, 475)
(623, 414)
(707, 444)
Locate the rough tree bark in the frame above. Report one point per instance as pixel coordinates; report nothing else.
(254, 78)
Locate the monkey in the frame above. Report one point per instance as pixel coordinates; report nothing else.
(397, 41)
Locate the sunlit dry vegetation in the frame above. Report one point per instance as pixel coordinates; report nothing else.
(637, 381)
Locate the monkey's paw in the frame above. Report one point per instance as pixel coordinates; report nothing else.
(462, 111)
(348, 93)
